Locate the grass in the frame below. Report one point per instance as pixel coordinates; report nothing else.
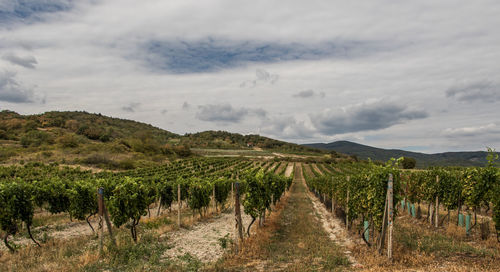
(418, 246)
(437, 244)
(128, 256)
(293, 240)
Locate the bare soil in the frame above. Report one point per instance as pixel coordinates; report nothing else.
(204, 240)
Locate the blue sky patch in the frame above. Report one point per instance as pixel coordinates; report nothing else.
(28, 11)
(210, 55)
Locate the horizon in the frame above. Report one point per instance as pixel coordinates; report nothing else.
(184, 134)
(421, 77)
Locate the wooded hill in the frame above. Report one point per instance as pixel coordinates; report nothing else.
(475, 158)
(113, 143)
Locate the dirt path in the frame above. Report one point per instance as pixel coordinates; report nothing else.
(316, 168)
(334, 228)
(297, 240)
(289, 170)
(325, 169)
(204, 240)
(67, 231)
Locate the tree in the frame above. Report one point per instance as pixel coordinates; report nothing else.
(408, 163)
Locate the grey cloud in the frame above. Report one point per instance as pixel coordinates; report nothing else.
(484, 91)
(186, 105)
(214, 53)
(309, 93)
(13, 91)
(226, 113)
(27, 61)
(363, 117)
(262, 76)
(132, 107)
(286, 127)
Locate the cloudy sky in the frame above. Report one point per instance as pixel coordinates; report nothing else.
(418, 75)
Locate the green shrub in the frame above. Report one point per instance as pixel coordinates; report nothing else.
(69, 141)
(36, 138)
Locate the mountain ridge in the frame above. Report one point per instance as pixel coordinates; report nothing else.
(460, 158)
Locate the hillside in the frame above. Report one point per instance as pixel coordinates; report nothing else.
(84, 139)
(477, 158)
(96, 140)
(227, 140)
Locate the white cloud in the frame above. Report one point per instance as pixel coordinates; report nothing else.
(472, 131)
(90, 55)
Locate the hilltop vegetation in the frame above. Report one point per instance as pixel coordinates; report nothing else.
(227, 140)
(84, 138)
(99, 141)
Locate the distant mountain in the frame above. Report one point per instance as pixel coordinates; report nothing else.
(475, 158)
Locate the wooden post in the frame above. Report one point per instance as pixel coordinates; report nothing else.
(436, 218)
(179, 205)
(467, 224)
(213, 200)
(237, 214)
(272, 203)
(159, 207)
(431, 212)
(333, 207)
(232, 193)
(390, 214)
(381, 238)
(100, 205)
(347, 206)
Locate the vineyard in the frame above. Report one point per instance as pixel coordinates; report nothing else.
(359, 192)
(138, 209)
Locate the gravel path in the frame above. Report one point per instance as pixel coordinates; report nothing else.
(203, 240)
(334, 227)
(289, 170)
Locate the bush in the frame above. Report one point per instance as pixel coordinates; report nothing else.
(36, 138)
(98, 159)
(72, 125)
(91, 132)
(69, 141)
(126, 164)
(3, 135)
(182, 151)
(30, 125)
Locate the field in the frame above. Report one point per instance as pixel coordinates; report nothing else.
(288, 206)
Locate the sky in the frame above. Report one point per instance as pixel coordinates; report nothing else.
(416, 75)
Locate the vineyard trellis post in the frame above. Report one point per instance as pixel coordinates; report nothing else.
(214, 210)
(237, 213)
(333, 208)
(381, 238)
(347, 205)
(390, 214)
(100, 205)
(179, 205)
(103, 214)
(436, 218)
(232, 193)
